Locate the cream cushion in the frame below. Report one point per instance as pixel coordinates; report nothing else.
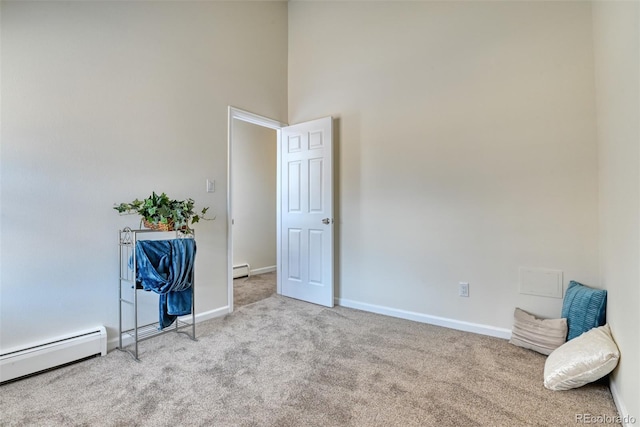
(582, 360)
(541, 335)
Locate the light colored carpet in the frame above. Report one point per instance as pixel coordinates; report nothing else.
(247, 290)
(282, 362)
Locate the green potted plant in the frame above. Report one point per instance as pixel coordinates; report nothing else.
(159, 212)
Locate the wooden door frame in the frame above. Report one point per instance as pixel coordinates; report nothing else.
(246, 116)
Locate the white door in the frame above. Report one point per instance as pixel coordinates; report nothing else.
(307, 211)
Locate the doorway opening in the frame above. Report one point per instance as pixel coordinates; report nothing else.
(252, 200)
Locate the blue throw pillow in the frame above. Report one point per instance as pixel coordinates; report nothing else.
(584, 308)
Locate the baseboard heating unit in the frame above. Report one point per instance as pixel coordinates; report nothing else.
(30, 359)
(241, 270)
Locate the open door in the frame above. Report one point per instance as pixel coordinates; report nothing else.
(306, 207)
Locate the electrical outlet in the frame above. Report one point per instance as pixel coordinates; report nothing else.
(463, 289)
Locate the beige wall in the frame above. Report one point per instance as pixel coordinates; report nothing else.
(617, 50)
(254, 195)
(466, 147)
(103, 102)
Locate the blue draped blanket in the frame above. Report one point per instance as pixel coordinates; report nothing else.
(166, 268)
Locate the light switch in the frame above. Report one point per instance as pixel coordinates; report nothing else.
(211, 186)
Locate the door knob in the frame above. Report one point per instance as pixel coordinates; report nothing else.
(326, 221)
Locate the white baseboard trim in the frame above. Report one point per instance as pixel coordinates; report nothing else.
(200, 317)
(206, 315)
(426, 318)
(262, 270)
(625, 417)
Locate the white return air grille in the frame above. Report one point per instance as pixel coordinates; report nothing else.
(16, 363)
